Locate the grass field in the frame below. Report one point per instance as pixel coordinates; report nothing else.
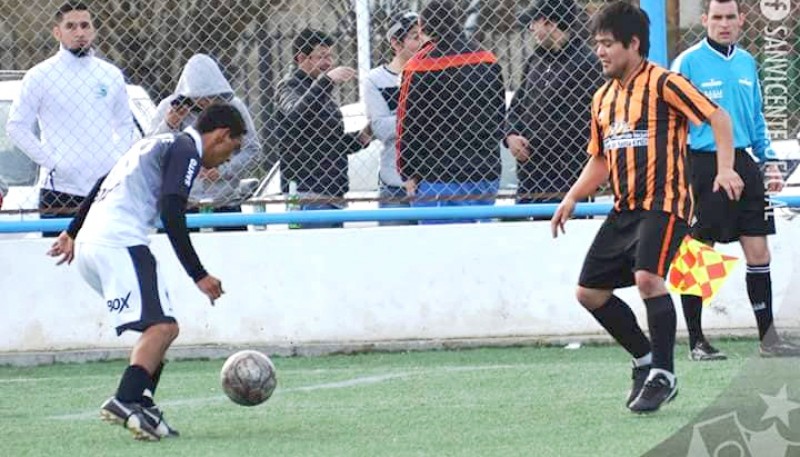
(481, 402)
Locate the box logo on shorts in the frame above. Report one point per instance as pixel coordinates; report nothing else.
(118, 304)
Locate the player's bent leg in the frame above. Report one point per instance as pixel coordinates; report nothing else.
(153, 344)
(620, 322)
(661, 385)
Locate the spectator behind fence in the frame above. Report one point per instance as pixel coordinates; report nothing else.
(729, 75)
(546, 129)
(381, 94)
(202, 83)
(80, 104)
(314, 145)
(450, 116)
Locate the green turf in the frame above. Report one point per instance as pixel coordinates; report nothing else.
(482, 402)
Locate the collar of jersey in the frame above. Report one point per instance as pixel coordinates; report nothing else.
(198, 140)
(66, 55)
(721, 55)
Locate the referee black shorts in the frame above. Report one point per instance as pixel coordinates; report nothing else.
(719, 219)
(629, 241)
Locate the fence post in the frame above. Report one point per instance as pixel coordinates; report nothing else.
(364, 43)
(657, 10)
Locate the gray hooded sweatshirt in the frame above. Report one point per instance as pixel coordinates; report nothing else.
(201, 77)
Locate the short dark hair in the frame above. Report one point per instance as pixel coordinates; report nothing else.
(221, 116)
(308, 39)
(707, 4)
(441, 19)
(68, 7)
(624, 21)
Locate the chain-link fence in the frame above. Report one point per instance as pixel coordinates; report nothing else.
(523, 83)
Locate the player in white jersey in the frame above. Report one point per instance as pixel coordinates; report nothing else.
(152, 179)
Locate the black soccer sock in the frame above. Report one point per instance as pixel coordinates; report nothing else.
(759, 289)
(661, 321)
(134, 381)
(693, 312)
(156, 377)
(620, 322)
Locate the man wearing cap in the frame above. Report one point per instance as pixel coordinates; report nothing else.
(381, 94)
(547, 120)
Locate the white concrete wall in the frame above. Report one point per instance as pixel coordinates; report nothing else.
(356, 285)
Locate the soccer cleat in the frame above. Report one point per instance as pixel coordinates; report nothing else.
(156, 419)
(130, 416)
(780, 348)
(639, 376)
(703, 351)
(656, 391)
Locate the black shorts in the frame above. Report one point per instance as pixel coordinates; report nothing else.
(629, 241)
(718, 218)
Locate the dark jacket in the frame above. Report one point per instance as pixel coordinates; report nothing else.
(451, 113)
(552, 110)
(313, 144)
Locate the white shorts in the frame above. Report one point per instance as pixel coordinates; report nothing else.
(129, 281)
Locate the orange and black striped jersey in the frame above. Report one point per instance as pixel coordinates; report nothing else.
(641, 130)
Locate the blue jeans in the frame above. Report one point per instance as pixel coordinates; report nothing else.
(430, 193)
(317, 207)
(391, 197)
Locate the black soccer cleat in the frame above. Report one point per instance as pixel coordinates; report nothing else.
(703, 351)
(780, 348)
(656, 391)
(639, 376)
(155, 417)
(130, 416)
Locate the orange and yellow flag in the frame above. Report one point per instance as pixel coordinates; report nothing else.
(699, 270)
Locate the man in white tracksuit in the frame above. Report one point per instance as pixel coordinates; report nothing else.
(381, 94)
(202, 83)
(80, 104)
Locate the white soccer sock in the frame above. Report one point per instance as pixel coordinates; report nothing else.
(655, 371)
(644, 360)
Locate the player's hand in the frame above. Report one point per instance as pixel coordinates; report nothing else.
(562, 215)
(209, 174)
(730, 182)
(411, 187)
(212, 287)
(519, 147)
(365, 135)
(175, 116)
(63, 246)
(773, 178)
(341, 74)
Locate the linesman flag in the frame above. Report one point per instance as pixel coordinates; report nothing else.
(699, 270)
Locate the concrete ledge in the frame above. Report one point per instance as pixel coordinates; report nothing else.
(24, 359)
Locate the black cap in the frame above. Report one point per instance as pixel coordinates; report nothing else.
(559, 12)
(402, 23)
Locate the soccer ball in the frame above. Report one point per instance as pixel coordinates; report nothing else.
(248, 378)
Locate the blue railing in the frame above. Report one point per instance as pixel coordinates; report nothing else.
(371, 215)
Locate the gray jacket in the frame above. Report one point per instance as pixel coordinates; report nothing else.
(201, 77)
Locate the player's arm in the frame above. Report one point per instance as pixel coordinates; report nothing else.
(594, 174)
(64, 245)
(181, 167)
(22, 119)
(687, 99)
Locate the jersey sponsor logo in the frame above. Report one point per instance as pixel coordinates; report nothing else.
(711, 83)
(745, 82)
(118, 304)
(101, 90)
(620, 135)
(716, 94)
(187, 180)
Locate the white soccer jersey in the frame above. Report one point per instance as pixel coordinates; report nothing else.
(126, 207)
